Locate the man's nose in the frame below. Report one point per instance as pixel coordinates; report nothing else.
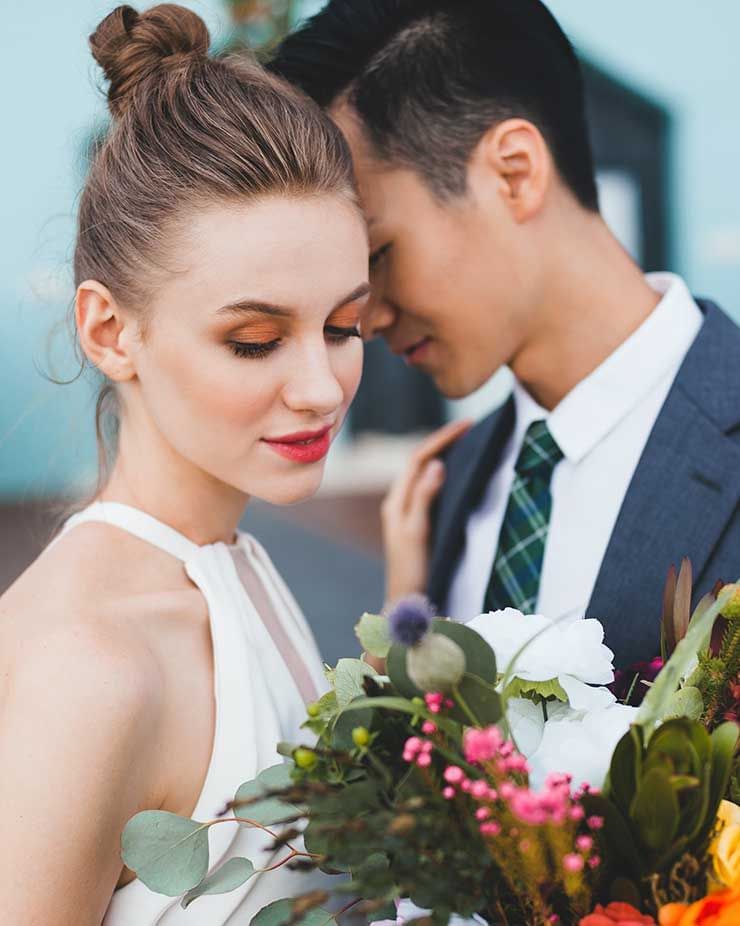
(379, 315)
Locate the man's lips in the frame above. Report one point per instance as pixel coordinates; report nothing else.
(413, 352)
(302, 446)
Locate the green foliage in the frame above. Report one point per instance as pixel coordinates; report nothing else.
(657, 701)
(348, 680)
(372, 632)
(282, 913)
(232, 874)
(523, 688)
(662, 795)
(168, 853)
(254, 801)
(478, 683)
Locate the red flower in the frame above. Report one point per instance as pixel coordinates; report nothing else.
(616, 912)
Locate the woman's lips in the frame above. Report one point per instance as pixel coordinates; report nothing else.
(304, 447)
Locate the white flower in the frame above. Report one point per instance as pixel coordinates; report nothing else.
(579, 743)
(570, 650)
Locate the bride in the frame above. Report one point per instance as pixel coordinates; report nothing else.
(152, 658)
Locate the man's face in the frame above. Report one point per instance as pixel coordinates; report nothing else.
(452, 281)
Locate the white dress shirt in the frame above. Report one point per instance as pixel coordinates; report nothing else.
(602, 427)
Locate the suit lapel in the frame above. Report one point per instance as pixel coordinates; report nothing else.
(469, 467)
(683, 493)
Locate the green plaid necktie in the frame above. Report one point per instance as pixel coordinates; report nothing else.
(515, 577)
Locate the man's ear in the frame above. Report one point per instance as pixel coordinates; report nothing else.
(104, 331)
(516, 153)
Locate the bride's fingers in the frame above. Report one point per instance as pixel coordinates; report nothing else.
(423, 493)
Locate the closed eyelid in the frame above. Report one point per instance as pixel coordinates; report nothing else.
(345, 317)
(258, 331)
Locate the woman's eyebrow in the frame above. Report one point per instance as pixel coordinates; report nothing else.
(242, 306)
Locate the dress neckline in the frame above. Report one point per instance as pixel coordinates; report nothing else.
(140, 524)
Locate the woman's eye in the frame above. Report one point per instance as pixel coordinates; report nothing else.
(339, 335)
(254, 350)
(377, 256)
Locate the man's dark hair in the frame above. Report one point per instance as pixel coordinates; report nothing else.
(428, 78)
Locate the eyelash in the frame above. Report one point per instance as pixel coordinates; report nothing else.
(377, 256)
(257, 351)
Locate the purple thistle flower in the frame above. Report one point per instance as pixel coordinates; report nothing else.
(410, 619)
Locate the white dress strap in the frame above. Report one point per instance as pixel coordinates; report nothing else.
(138, 523)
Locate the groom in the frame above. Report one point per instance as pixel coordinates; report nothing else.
(619, 450)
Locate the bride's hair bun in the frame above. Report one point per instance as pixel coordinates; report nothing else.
(130, 47)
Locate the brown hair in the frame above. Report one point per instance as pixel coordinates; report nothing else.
(188, 129)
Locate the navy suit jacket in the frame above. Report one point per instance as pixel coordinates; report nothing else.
(683, 500)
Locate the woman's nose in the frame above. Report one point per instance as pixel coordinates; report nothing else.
(313, 385)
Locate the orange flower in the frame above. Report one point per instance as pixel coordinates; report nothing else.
(715, 910)
(622, 913)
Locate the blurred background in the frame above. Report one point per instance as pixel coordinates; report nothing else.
(663, 78)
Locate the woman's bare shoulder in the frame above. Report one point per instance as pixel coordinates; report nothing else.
(95, 595)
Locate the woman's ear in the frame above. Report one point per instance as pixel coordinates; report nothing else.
(516, 156)
(104, 331)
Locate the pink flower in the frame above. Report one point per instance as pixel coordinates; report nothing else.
(490, 829)
(479, 790)
(482, 813)
(482, 745)
(453, 774)
(584, 843)
(573, 862)
(428, 727)
(448, 793)
(424, 760)
(595, 823)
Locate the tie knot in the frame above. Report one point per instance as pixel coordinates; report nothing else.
(539, 454)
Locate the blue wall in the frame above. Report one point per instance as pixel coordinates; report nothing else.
(678, 51)
(50, 102)
(684, 54)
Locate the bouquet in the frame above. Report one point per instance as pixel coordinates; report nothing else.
(492, 773)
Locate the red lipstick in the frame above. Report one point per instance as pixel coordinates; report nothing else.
(303, 446)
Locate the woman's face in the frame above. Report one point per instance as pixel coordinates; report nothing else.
(251, 353)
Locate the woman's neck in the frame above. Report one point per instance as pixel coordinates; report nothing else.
(150, 475)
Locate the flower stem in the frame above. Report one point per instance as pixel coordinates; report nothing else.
(465, 709)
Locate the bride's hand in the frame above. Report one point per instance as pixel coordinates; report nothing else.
(405, 513)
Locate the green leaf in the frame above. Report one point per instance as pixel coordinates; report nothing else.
(686, 702)
(341, 735)
(724, 742)
(228, 877)
(480, 697)
(653, 707)
(480, 659)
(168, 853)
(280, 913)
(348, 680)
(622, 781)
(404, 706)
(269, 810)
(624, 852)
(372, 632)
(654, 811)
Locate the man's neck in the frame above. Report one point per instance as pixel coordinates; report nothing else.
(594, 298)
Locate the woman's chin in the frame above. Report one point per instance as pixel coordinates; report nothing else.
(293, 490)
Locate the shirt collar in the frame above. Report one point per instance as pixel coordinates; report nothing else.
(600, 401)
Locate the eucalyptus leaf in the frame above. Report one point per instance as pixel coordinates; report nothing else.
(269, 810)
(654, 706)
(372, 632)
(280, 913)
(348, 680)
(168, 853)
(481, 698)
(231, 875)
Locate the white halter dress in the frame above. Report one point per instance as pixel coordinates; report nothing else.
(258, 704)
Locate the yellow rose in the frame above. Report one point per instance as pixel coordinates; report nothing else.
(725, 847)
